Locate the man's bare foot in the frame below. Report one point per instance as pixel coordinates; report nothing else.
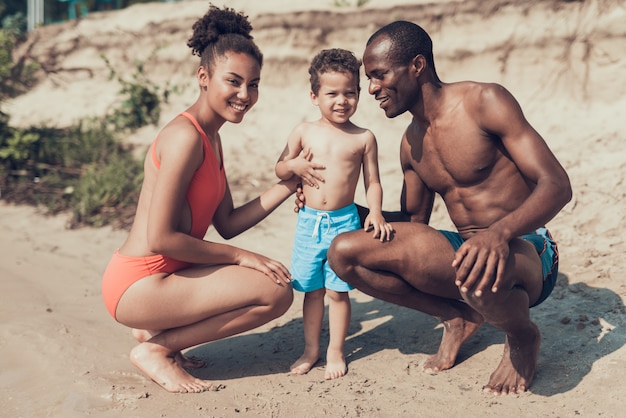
(159, 364)
(455, 332)
(335, 365)
(517, 367)
(306, 362)
(188, 362)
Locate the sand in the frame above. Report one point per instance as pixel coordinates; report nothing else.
(61, 355)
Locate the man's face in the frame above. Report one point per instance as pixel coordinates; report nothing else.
(389, 83)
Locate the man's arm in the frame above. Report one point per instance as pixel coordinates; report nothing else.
(502, 116)
(416, 200)
(481, 260)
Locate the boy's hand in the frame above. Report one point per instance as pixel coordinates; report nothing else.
(382, 229)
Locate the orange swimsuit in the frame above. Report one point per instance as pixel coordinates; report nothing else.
(204, 195)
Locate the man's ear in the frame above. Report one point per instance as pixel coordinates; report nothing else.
(314, 98)
(203, 77)
(418, 64)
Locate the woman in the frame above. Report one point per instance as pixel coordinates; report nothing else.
(173, 288)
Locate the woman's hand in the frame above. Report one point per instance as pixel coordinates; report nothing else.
(273, 269)
(307, 170)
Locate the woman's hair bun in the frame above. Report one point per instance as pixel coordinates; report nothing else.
(217, 22)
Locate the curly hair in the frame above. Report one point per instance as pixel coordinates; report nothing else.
(221, 31)
(407, 41)
(333, 60)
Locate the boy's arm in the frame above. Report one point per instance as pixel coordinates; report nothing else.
(374, 191)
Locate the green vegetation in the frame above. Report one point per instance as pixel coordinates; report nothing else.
(140, 102)
(348, 3)
(84, 169)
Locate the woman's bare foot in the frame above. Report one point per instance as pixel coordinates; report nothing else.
(306, 362)
(188, 362)
(159, 364)
(335, 365)
(455, 332)
(517, 367)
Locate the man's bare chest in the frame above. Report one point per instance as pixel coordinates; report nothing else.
(453, 158)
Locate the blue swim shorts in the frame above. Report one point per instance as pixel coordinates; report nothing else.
(546, 249)
(315, 231)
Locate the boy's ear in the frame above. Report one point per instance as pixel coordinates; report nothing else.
(314, 98)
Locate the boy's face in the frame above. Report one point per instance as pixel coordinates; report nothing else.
(338, 96)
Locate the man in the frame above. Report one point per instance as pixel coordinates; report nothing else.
(470, 143)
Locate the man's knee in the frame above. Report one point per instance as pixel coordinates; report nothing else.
(339, 253)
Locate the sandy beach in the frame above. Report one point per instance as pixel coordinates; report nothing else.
(62, 355)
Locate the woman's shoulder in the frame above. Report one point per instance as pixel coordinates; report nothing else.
(179, 137)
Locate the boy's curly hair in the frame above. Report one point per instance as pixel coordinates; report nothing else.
(221, 31)
(334, 60)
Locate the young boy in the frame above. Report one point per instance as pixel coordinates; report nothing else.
(338, 148)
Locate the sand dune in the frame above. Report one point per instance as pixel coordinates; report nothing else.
(63, 356)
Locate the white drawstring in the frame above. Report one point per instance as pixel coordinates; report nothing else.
(318, 221)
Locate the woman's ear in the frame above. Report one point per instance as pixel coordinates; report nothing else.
(203, 77)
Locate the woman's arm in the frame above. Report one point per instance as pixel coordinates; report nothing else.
(230, 221)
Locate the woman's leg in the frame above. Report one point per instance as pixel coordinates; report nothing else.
(187, 362)
(339, 311)
(192, 307)
(312, 317)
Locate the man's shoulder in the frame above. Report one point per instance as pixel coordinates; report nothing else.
(470, 88)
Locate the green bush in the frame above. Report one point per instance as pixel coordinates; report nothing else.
(83, 169)
(106, 193)
(140, 98)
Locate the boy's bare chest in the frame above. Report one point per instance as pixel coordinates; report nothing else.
(333, 150)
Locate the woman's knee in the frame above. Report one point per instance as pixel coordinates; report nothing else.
(282, 300)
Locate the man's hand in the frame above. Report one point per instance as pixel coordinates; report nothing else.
(300, 199)
(480, 262)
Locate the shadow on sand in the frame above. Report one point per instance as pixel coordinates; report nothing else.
(579, 325)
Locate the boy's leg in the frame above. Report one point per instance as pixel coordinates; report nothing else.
(312, 316)
(339, 310)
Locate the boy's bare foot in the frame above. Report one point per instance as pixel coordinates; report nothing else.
(159, 364)
(188, 362)
(517, 367)
(455, 332)
(305, 363)
(335, 365)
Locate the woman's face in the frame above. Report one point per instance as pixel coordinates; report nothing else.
(233, 86)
